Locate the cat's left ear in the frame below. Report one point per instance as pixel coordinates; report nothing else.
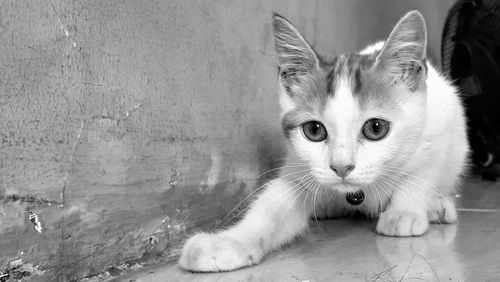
(403, 57)
(295, 56)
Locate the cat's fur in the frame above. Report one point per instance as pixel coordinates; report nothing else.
(408, 177)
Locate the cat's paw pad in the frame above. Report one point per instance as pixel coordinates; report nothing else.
(443, 211)
(393, 223)
(213, 253)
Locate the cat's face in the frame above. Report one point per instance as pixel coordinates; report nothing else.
(354, 117)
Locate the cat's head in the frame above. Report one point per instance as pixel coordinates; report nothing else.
(354, 117)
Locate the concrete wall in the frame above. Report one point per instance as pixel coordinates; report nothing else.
(124, 125)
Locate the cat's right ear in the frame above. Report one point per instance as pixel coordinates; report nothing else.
(295, 56)
(403, 57)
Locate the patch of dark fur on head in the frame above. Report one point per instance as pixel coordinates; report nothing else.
(377, 91)
(367, 83)
(373, 91)
(313, 89)
(357, 81)
(350, 67)
(307, 90)
(330, 79)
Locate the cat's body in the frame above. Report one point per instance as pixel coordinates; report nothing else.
(382, 122)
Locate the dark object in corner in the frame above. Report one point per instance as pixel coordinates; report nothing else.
(470, 53)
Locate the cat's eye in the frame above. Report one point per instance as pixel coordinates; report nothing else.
(314, 131)
(375, 129)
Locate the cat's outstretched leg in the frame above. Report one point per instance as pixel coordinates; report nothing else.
(275, 218)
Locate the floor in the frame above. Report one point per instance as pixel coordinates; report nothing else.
(349, 250)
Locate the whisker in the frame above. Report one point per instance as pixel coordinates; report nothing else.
(316, 188)
(302, 189)
(430, 185)
(414, 199)
(395, 186)
(290, 191)
(378, 195)
(224, 221)
(424, 203)
(313, 184)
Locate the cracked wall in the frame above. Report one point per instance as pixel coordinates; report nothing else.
(125, 125)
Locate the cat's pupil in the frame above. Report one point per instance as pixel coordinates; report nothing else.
(376, 127)
(315, 129)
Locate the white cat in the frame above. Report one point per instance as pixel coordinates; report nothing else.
(380, 132)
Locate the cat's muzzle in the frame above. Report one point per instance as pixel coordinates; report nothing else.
(355, 198)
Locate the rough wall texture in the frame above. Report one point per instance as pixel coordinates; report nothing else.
(124, 125)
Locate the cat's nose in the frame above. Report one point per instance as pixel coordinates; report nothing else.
(342, 170)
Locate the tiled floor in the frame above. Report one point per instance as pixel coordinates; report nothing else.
(349, 250)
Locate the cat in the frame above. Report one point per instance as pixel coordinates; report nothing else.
(379, 132)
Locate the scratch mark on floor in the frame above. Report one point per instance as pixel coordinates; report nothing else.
(63, 28)
(120, 116)
(477, 210)
(70, 169)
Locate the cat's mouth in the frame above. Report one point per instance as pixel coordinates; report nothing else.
(345, 186)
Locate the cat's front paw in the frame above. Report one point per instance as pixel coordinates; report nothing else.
(399, 223)
(213, 253)
(443, 210)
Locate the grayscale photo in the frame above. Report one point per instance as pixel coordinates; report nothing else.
(281, 140)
